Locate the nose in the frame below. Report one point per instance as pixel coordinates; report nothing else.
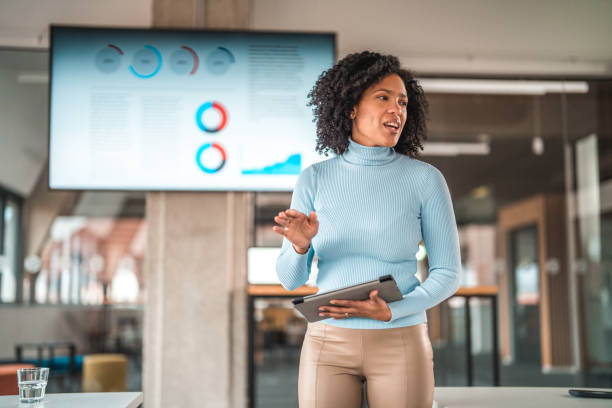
(395, 107)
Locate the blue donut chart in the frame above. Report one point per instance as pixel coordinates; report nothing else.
(211, 105)
(157, 54)
(202, 149)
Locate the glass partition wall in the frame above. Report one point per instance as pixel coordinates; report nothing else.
(588, 126)
(501, 189)
(528, 164)
(79, 286)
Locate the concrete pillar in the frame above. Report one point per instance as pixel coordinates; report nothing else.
(195, 330)
(195, 351)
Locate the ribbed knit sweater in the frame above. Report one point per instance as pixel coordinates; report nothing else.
(374, 206)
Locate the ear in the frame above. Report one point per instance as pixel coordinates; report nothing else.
(353, 112)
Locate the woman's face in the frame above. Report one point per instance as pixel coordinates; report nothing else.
(380, 115)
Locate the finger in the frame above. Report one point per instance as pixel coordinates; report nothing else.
(279, 230)
(312, 220)
(293, 213)
(339, 310)
(344, 303)
(377, 299)
(337, 315)
(281, 221)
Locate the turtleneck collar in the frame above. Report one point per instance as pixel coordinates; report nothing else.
(368, 156)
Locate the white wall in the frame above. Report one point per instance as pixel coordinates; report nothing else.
(23, 129)
(38, 324)
(468, 36)
(24, 23)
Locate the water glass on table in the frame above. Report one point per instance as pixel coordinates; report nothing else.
(32, 383)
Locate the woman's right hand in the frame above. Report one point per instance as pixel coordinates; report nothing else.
(298, 228)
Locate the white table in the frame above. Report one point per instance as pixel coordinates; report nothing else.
(512, 397)
(78, 400)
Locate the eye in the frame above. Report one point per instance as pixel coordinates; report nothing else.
(382, 97)
(403, 103)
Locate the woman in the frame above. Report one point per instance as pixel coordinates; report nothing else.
(364, 213)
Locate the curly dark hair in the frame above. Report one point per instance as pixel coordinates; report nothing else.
(340, 88)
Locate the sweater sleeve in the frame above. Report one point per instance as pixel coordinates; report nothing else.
(439, 231)
(293, 268)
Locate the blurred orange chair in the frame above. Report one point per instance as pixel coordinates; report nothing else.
(8, 378)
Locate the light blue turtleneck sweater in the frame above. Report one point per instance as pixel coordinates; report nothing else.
(374, 206)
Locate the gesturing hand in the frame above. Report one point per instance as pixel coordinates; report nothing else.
(375, 308)
(298, 228)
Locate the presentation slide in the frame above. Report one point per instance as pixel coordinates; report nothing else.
(134, 109)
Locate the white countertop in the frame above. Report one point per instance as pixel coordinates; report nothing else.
(74, 400)
(446, 397)
(512, 397)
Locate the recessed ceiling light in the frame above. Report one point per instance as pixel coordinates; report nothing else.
(501, 87)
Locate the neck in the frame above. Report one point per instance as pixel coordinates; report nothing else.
(368, 155)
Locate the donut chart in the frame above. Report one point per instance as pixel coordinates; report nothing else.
(220, 151)
(108, 59)
(219, 61)
(211, 105)
(184, 61)
(147, 62)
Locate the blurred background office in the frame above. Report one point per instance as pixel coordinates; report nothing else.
(186, 305)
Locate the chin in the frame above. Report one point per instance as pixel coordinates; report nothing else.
(390, 143)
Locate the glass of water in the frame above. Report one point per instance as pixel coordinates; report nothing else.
(32, 383)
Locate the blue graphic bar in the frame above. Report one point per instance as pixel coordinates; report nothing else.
(292, 165)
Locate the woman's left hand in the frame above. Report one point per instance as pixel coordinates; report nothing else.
(374, 308)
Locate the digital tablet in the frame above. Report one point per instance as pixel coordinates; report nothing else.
(590, 393)
(308, 306)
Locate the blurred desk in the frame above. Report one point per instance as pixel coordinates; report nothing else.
(487, 292)
(51, 347)
(278, 290)
(512, 397)
(79, 400)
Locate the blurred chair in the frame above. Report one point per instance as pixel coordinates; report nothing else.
(59, 356)
(8, 378)
(104, 373)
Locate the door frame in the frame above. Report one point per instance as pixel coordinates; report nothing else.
(524, 213)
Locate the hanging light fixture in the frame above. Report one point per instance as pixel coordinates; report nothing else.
(537, 143)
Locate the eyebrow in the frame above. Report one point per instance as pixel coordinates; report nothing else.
(390, 92)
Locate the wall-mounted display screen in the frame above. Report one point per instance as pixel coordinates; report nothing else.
(135, 109)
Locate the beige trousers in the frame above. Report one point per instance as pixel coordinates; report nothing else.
(396, 363)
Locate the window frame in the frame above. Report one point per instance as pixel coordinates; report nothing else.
(5, 196)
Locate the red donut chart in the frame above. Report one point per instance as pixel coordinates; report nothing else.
(206, 146)
(211, 105)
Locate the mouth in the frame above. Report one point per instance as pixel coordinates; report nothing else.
(392, 126)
